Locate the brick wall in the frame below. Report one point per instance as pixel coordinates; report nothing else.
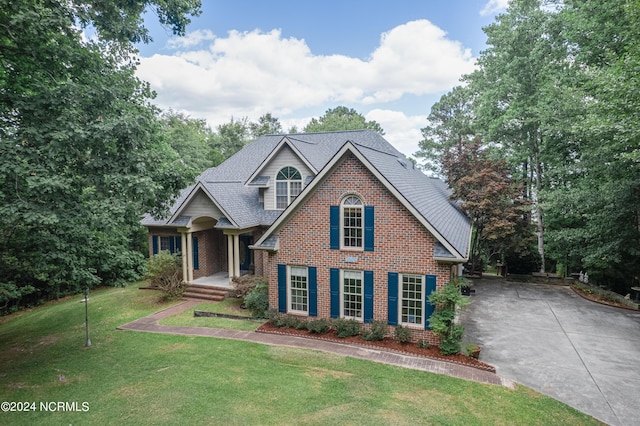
(212, 252)
(402, 244)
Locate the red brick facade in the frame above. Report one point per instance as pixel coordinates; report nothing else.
(402, 243)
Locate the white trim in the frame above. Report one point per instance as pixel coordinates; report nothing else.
(288, 181)
(276, 150)
(361, 274)
(342, 207)
(289, 298)
(185, 203)
(422, 299)
(328, 169)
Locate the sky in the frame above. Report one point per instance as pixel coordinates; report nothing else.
(388, 60)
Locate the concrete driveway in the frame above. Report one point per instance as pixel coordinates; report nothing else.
(550, 339)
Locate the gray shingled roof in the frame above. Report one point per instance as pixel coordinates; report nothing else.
(228, 183)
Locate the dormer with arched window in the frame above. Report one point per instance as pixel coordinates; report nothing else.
(288, 186)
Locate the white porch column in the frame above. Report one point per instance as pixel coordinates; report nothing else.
(189, 257)
(236, 255)
(230, 256)
(183, 236)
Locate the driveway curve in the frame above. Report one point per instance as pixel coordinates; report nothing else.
(548, 338)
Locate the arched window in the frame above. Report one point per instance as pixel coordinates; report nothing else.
(288, 186)
(352, 224)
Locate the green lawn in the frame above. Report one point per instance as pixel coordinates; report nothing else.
(143, 378)
(228, 306)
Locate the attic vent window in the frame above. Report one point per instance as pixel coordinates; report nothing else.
(402, 162)
(288, 186)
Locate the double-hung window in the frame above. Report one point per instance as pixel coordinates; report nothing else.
(352, 294)
(352, 222)
(298, 289)
(411, 300)
(288, 186)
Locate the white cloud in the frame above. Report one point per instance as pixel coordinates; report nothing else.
(252, 73)
(494, 6)
(191, 39)
(403, 131)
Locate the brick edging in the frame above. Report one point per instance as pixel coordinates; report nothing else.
(489, 369)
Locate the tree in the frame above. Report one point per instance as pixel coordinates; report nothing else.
(341, 118)
(597, 201)
(191, 139)
(451, 124)
(266, 125)
(516, 85)
(490, 197)
(231, 137)
(82, 155)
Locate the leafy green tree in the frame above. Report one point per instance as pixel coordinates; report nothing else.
(451, 125)
(82, 155)
(341, 118)
(596, 202)
(266, 125)
(231, 137)
(191, 139)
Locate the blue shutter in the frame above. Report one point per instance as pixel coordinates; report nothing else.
(196, 263)
(334, 227)
(154, 242)
(428, 307)
(368, 296)
(179, 244)
(334, 290)
(172, 244)
(368, 228)
(313, 291)
(392, 298)
(282, 288)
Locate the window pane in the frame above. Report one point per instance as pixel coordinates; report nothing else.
(352, 229)
(298, 289)
(352, 294)
(412, 309)
(164, 243)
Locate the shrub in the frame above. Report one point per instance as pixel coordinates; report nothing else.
(403, 335)
(164, 273)
(301, 325)
(377, 332)
(424, 344)
(318, 326)
(244, 285)
(258, 300)
(346, 327)
(279, 320)
(442, 320)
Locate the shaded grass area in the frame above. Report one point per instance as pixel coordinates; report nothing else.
(144, 378)
(228, 306)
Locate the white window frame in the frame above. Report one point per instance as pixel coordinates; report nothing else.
(290, 288)
(293, 187)
(347, 204)
(350, 273)
(401, 299)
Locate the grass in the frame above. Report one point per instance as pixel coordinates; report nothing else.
(228, 306)
(143, 378)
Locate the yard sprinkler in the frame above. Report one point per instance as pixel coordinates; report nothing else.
(86, 314)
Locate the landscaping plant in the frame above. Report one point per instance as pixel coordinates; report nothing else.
(164, 273)
(442, 320)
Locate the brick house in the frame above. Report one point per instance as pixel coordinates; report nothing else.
(341, 224)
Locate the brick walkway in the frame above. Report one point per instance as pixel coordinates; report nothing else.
(150, 324)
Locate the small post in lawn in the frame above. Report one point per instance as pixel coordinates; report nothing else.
(86, 313)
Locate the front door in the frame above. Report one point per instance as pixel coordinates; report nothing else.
(246, 254)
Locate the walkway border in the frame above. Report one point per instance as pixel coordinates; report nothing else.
(151, 324)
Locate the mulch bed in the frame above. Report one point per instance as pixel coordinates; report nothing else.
(388, 344)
